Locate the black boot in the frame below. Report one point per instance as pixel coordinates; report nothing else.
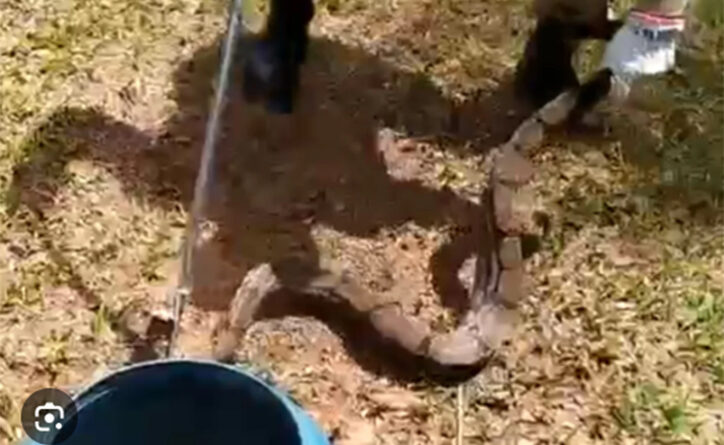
(546, 69)
(272, 70)
(590, 94)
(271, 76)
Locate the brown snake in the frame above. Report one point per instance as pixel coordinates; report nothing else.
(498, 284)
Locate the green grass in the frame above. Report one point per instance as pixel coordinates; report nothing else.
(652, 412)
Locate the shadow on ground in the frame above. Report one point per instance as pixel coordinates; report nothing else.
(276, 176)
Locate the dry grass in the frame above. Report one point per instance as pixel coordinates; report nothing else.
(623, 340)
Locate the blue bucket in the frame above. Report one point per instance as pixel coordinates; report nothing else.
(188, 402)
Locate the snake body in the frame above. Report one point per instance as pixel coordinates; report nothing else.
(499, 283)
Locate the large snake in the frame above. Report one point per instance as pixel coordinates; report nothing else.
(498, 284)
(509, 214)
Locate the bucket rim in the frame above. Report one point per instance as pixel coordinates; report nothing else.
(309, 432)
(87, 389)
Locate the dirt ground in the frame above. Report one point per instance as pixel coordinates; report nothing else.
(102, 113)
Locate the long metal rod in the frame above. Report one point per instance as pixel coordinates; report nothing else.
(205, 175)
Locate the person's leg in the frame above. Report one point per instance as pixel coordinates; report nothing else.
(271, 72)
(590, 94)
(288, 25)
(546, 69)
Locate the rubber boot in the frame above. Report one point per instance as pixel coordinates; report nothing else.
(546, 69)
(272, 70)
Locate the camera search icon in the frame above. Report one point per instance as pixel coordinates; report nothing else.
(49, 416)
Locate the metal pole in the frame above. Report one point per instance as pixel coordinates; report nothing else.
(205, 175)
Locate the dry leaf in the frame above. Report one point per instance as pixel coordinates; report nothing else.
(396, 400)
(359, 432)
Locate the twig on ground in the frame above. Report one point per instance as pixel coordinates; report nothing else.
(460, 414)
(6, 429)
